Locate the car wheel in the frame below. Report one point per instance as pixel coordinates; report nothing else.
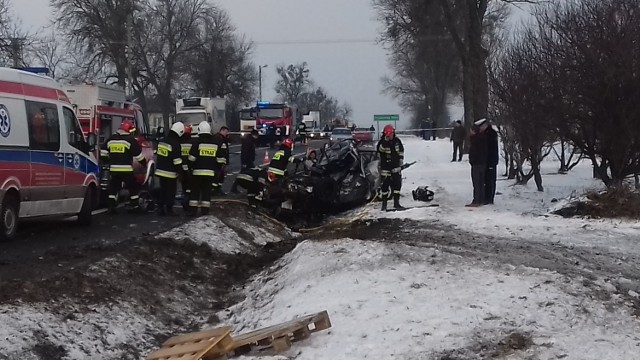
(85, 215)
(9, 217)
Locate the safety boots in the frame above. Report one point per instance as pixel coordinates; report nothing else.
(396, 202)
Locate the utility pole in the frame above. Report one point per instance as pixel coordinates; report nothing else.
(260, 67)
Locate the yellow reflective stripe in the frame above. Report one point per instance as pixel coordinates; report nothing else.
(209, 150)
(385, 172)
(177, 161)
(192, 158)
(166, 174)
(121, 168)
(140, 157)
(221, 160)
(104, 152)
(113, 197)
(134, 197)
(124, 143)
(203, 172)
(278, 155)
(276, 171)
(245, 177)
(185, 167)
(396, 191)
(205, 204)
(193, 203)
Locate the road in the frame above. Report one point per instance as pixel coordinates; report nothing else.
(37, 237)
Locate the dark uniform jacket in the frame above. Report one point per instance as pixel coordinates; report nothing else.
(248, 151)
(205, 156)
(185, 147)
(223, 149)
(169, 159)
(493, 156)
(458, 134)
(302, 129)
(391, 155)
(120, 150)
(478, 149)
(280, 161)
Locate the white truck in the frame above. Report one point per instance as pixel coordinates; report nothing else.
(198, 109)
(312, 121)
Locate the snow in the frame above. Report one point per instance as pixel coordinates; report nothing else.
(215, 233)
(396, 301)
(520, 211)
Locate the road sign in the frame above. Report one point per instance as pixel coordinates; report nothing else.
(386, 117)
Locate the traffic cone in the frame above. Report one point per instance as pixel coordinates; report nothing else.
(266, 158)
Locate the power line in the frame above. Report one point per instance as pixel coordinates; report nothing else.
(311, 42)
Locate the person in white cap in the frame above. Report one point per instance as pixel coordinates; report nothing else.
(478, 150)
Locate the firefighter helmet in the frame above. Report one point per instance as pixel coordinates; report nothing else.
(178, 128)
(204, 128)
(126, 126)
(187, 129)
(288, 143)
(388, 130)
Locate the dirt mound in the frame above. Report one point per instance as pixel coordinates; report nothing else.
(614, 203)
(170, 285)
(512, 345)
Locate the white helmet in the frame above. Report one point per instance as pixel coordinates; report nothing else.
(178, 128)
(204, 128)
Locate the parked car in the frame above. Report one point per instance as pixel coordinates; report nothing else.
(363, 135)
(340, 134)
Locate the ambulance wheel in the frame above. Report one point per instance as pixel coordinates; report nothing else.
(85, 214)
(9, 217)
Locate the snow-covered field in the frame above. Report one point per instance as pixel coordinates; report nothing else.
(520, 211)
(392, 301)
(402, 302)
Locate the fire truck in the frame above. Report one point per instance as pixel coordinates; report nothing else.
(100, 109)
(275, 121)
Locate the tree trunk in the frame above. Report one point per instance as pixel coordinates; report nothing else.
(535, 168)
(563, 159)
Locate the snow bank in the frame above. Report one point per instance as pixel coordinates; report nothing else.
(242, 238)
(395, 301)
(519, 211)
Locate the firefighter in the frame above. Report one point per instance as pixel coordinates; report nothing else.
(302, 132)
(119, 151)
(247, 155)
(252, 180)
(222, 140)
(168, 167)
(185, 147)
(203, 162)
(391, 153)
(278, 168)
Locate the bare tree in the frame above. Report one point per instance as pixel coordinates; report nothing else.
(588, 62)
(167, 35)
(424, 60)
(100, 29)
(221, 66)
(50, 52)
(293, 81)
(319, 100)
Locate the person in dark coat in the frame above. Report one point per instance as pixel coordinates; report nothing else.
(493, 157)
(434, 132)
(247, 156)
(457, 138)
(478, 151)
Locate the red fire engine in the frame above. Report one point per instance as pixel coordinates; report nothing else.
(275, 121)
(100, 109)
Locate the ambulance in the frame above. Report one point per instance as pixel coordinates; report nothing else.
(47, 165)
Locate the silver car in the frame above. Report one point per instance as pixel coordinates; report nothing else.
(340, 134)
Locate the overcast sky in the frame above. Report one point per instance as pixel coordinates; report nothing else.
(350, 71)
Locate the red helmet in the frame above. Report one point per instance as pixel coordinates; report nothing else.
(126, 126)
(187, 129)
(388, 130)
(288, 142)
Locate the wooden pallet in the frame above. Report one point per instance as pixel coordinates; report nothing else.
(279, 337)
(211, 344)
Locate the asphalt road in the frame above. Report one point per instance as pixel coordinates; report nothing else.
(37, 237)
